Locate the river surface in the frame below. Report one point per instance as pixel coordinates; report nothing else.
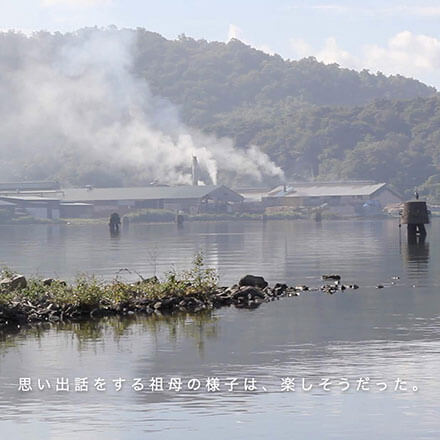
(360, 364)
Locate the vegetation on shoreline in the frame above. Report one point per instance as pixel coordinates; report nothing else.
(194, 290)
(163, 215)
(48, 299)
(90, 292)
(150, 216)
(9, 218)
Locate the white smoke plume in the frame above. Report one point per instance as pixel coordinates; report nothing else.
(77, 112)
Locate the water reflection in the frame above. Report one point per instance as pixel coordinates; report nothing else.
(197, 327)
(379, 333)
(416, 255)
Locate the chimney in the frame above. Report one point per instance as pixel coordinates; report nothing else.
(195, 171)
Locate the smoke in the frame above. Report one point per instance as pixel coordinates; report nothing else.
(74, 111)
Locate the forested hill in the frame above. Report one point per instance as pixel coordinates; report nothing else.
(207, 78)
(387, 141)
(313, 120)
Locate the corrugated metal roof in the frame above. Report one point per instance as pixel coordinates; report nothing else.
(25, 198)
(25, 186)
(139, 193)
(327, 189)
(252, 194)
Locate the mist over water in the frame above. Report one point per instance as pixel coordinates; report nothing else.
(73, 110)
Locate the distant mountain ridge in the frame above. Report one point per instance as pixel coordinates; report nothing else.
(315, 121)
(206, 78)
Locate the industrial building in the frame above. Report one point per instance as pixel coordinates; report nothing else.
(47, 200)
(90, 201)
(346, 198)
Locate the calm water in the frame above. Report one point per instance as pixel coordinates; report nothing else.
(382, 334)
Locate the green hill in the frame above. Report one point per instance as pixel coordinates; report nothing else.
(206, 79)
(313, 120)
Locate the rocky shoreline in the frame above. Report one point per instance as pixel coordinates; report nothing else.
(49, 300)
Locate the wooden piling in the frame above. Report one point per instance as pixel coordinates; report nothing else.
(180, 219)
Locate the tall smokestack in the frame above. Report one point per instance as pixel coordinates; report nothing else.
(195, 171)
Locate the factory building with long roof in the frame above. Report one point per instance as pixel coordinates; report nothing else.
(90, 201)
(340, 197)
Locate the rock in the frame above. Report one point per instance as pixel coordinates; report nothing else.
(152, 280)
(50, 281)
(280, 288)
(328, 288)
(270, 292)
(47, 281)
(353, 286)
(248, 293)
(331, 277)
(231, 290)
(302, 288)
(222, 298)
(13, 282)
(248, 297)
(169, 303)
(253, 281)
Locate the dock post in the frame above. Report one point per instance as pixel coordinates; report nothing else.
(180, 218)
(415, 215)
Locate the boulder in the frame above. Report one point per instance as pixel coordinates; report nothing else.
(280, 288)
(13, 282)
(47, 281)
(253, 281)
(248, 293)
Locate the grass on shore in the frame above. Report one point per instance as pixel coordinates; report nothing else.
(163, 215)
(89, 292)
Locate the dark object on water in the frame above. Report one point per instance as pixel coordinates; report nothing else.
(379, 286)
(180, 218)
(114, 223)
(254, 281)
(415, 215)
(331, 277)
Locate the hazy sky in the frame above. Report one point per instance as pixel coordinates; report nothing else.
(390, 36)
